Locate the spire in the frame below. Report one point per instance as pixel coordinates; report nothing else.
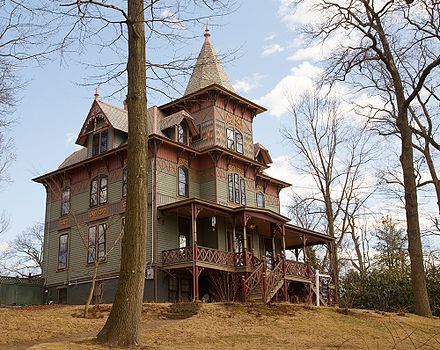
(208, 69)
(97, 93)
(207, 34)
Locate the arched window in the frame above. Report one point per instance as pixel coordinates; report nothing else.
(181, 133)
(239, 142)
(124, 182)
(98, 190)
(65, 201)
(260, 200)
(183, 181)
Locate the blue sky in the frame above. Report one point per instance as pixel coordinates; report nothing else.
(272, 60)
(53, 105)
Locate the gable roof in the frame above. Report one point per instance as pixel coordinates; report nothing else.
(208, 69)
(260, 149)
(116, 116)
(176, 119)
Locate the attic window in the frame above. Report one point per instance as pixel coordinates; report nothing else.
(182, 133)
(100, 142)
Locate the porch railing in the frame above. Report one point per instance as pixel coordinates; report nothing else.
(296, 268)
(204, 254)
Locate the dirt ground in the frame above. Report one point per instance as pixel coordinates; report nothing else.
(223, 326)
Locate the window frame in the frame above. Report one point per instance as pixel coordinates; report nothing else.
(243, 191)
(94, 245)
(98, 146)
(263, 200)
(65, 202)
(231, 187)
(230, 138)
(185, 171)
(66, 251)
(238, 141)
(182, 133)
(100, 191)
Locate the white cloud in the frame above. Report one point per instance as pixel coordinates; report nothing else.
(248, 84)
(283, 169)
(272, 49)
(290, 87)
(270, 37)
(299, 14)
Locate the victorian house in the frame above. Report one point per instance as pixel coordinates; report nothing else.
(215, 231)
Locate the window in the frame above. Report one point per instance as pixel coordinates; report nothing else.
(236, 189)
(124, 182)
(98, 190)
(230, 138)
(63, 251)
(65, 201)
(96, 243)
(181, 133)
(183, 181)
(260, 200)
(239, 142)
(243, 191)
(230, 187)
(100, 142)
(234, 140)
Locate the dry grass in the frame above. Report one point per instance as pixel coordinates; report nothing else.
(225, 326)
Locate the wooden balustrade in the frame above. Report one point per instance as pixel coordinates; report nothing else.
(204, 254)
(296, 268)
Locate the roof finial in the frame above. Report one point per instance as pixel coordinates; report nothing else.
(207, 35)
(97, 93)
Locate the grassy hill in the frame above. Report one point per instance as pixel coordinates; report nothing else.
(224, 326)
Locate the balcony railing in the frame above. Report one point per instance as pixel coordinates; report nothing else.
(203, 254)
(229, 259)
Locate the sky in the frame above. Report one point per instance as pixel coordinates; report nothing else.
(272, 61)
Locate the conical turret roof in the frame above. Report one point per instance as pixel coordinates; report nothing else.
(208, 69)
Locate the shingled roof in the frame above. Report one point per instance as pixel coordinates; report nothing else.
(208, 69)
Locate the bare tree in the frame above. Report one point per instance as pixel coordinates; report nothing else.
(390, 50)
(121, 29)
(334, 155)
(26, 251)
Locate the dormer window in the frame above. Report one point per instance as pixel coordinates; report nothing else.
(234, 140)
(182, 133)
(100, 142)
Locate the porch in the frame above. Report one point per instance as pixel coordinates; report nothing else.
(248, 243)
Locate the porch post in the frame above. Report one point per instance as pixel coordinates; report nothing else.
(245, 251)
(286, 295)
(194, 239)
(273, 248)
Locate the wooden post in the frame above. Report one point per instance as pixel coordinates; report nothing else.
(273, 250)
(243, 287)
(245, 251)
(195, 253)
(286, 295)
(264, 284)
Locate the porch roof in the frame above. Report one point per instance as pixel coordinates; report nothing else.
(294, 234)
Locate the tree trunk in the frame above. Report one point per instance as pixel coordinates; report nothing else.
(92, 289)
(331, 232)
(122, 326)
(418, 277)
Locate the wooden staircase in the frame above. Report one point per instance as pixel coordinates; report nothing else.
(262, 285)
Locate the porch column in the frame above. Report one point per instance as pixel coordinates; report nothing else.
(245, 251)
(273, 248)
(286, 295)
(194, 239)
